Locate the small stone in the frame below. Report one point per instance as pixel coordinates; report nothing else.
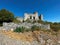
(58, 41)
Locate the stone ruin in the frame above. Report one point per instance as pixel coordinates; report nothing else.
(13, 26)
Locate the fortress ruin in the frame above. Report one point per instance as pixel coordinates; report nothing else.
(33, 16)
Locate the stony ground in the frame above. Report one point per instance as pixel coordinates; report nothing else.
(28, 38)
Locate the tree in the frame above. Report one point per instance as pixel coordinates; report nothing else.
(6, 16)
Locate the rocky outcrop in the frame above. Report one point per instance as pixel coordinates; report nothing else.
(38, 38)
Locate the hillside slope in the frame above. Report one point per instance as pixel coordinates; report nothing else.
(27, 38)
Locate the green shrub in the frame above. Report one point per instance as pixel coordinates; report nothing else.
(16, 21)
(1, 24)
(55, 27)
(34, 27)
(27, 30)
(19, 29)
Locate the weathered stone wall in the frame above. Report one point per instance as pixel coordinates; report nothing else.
(27, 16)
(12, 26)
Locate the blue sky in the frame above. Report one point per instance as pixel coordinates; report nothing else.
(49, 8)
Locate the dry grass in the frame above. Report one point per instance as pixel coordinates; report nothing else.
(27, 36)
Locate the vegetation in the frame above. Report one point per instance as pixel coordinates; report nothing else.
(19, 29)
(40, 21)
(55, 27)
(34, 27)
(6, 16)
(15, 20)
(23, 29)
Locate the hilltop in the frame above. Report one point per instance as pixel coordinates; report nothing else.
(28, 32)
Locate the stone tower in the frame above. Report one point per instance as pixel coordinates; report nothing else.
(41, 17)
(36, 15)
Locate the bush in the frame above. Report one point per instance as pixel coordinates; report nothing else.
(16, 21)
(1, 24)
(55, 27)
(19, 29)
(34, 27)
(27, 30)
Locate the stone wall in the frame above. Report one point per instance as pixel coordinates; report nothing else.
(33, 16)
(12, 26)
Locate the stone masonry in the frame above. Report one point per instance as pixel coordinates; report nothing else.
(12, 26)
